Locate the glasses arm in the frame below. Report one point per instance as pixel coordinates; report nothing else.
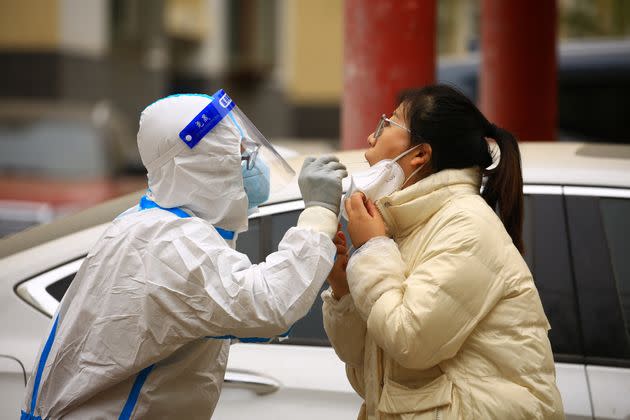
(397, 125)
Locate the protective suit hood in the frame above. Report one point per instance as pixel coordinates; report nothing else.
(205, 180)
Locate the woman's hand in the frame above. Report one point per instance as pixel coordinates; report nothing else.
(337, 278)
(364, 220)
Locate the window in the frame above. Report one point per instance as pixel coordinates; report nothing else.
(547, 254)
(280, 223)
(548, 257)
(45, 290)
(528, 231)
(59, 288)
(615, 214)
(250, 242)
(262, 237)
(310, 329)
(596, 229)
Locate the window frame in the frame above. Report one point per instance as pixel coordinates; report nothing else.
(594, 193)
(33, 290)
(538, 264)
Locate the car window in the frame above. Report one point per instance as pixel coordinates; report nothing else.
(280, 224)
(45, 290)
(256, 244)
(546, 252)
(249, 242)
(59, 288)
(599, 267)
(615, 214)
(310, 329)
(547, 255)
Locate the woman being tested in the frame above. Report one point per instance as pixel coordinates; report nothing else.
(436, 315)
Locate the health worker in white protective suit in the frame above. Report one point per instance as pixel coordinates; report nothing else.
(145, 328)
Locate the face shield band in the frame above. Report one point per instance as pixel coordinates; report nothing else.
(255, 148)
(207, 119)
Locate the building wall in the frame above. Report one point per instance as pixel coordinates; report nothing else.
(84, 26)
(29, 25)
(315, 51)
(69, 25)
(66, 53)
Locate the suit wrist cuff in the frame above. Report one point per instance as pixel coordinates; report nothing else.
(319, 219)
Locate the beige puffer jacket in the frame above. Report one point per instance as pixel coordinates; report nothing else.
(444, 321)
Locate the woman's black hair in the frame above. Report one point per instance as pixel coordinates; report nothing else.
(447, 120)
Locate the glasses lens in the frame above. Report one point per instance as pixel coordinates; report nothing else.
(246, 159)
(249, 156)
(252, 159)
(379, 127)
(249, 152)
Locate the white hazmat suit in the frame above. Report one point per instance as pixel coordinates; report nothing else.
(132, 335)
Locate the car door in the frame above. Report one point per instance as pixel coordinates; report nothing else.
(599, 228)
(301, 375)
(548, 256)
(12, 382)
(298, 377)
(26, 303)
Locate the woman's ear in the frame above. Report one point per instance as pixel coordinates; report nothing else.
(422, 155)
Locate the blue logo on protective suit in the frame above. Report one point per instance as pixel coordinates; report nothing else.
(207, 119)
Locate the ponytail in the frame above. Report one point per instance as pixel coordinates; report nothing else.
(446, 119)
(503, 190)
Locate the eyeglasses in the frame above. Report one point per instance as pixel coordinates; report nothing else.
(249, 152)
(381, 125)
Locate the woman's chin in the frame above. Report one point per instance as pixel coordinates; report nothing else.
(366, 155)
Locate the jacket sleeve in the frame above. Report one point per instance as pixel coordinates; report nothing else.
(356, 378)
(345, 328)
(199, 286)
(423, 317)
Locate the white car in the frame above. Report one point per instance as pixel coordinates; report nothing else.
(577, 235)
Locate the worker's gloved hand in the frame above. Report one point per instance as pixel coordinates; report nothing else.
(320, 182)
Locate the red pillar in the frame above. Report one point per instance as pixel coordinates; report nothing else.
(518, 69)
(389, 46)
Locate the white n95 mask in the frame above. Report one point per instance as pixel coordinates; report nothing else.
(379, 180)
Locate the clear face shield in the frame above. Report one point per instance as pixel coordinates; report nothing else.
(257, 154)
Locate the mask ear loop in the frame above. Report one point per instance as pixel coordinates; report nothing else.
(400, 156)
(415, 171)
(412, 174)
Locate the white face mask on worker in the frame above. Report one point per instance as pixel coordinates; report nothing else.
(380, 180)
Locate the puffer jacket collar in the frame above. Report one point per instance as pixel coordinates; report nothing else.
(411, 207)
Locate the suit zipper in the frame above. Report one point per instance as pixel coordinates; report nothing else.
(437, 413)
